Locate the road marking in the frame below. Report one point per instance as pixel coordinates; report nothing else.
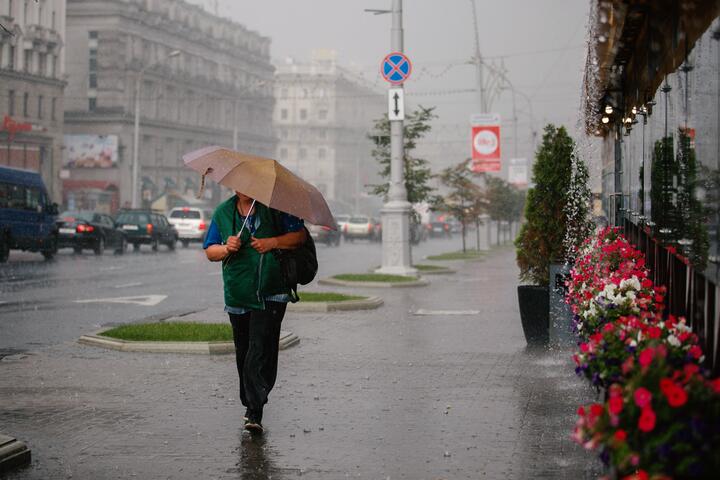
(144, 300)
(424, 312)
(128, 285)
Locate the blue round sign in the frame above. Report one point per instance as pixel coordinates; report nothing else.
(396, 68)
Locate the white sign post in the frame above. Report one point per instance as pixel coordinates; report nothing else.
(396, 104)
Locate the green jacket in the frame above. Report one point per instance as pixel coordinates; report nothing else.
(248, 276)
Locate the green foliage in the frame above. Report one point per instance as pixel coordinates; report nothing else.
(461, 255)
(504, 202)
(540, 241)
(465, 201)
(173, 332)
(679, 216)
(579, 225)
(417, 173)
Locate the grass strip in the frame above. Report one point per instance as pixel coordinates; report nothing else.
(374, 277)
(327, 297)
(173, 332)
(429, 268)
(459, 255)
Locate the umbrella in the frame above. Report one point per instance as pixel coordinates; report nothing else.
(264, 180)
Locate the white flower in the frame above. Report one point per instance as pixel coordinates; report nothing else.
(673, 340)
(633, 343)
(632, 282)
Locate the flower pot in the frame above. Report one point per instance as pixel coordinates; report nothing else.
(534, 303)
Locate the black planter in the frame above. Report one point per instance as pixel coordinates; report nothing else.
(534, 303)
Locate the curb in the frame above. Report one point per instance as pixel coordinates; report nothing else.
(369, 303)
(420, 282)
(13, 453)
(287, 340)
(439, 271)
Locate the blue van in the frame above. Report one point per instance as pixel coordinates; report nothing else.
(27, 218)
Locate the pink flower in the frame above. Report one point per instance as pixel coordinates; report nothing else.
(642, 397)
(646, 357)
(615, 405)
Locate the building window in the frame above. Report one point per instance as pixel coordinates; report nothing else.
(53, 107)
(53, 66)
(11, 102)
(322, 114)
(303, 114)
(283, 134)
(11, 60)
(10, 8)
(42, 64)
(92, 104)
(283, 114)
(92, 80)
(93, 35)
(28, 60)
(26, 105)
(322, 134)
(283, 153)
(302, 154)
(52, 22)
(321, 153)
(40, 107)
(25, 12)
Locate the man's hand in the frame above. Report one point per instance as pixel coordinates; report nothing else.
(264, 245)
(233, 244)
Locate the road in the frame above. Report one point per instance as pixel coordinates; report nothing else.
(46, 303)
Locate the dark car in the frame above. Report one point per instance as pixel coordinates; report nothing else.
(27, 217)
(146, 227)
(323, 234)
(90, 230)
(439, 229)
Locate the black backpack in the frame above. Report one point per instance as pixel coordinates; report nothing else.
(298, 266)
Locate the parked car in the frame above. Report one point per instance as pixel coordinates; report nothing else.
(191, 223)
(90, 230)
(326, 235)
(439, 229)
(359, 226)
(27, 217)
(147, 227)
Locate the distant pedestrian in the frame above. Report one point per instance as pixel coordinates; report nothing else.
(242, 235)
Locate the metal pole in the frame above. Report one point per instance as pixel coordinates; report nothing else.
(515, 125)
(396, 212)
(478, 62)
(136, 142)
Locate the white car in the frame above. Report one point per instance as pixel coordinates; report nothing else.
(359, 226)
(191, 223)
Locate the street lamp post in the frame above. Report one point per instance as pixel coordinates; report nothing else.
(396, 212)
(136, 133)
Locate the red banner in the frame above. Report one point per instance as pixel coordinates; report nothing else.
(485, 142)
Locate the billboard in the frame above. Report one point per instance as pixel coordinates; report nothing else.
(518, 172)
(485, 142)
(90, 151)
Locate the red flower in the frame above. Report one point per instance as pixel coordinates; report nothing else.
(654, 332)
(695, 351)
(596, 410)
(646, 357)
(639, 475)
(659, 298)
(646, 422)
(690, 370)
(676, 395)
(672, 250)
(715, 384)
(643, 397)
(581, 411)
(646, 283)
(584, 347)
(615, 405)
(620, 435)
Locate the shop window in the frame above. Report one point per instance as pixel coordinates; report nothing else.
(40, 107)
(26, 104)
(11, 102)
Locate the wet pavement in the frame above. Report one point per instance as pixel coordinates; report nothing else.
(376, 394)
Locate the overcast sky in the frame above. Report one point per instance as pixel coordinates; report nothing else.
(542, 42)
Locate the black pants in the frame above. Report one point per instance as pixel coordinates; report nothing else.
(256, 335)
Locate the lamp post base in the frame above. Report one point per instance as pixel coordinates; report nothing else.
(396, 239)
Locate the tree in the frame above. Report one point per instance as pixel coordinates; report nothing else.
(693, 229)
(504, 201)
(663, 189)
(465, 200)
(577, 208)
(540, 241)
(416, 172)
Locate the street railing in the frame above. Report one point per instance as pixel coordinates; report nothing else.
(690, 293)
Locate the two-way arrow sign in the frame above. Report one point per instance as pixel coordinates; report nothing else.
(396, 104)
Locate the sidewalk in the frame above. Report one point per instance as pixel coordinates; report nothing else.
(374, 394)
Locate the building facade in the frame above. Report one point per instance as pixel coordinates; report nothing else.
(32, 82)
(323, 114)
(200, 80)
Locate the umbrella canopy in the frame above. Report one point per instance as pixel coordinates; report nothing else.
(264, 180)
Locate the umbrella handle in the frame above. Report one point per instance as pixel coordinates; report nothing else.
(226, 259)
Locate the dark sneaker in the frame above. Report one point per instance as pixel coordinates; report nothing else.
(254, 422)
